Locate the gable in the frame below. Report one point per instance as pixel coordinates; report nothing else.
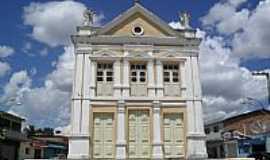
(138, 16)
(149, 29)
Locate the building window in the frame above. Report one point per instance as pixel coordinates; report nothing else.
(104, 72)
(171, 73)
(27, 151)
(138, 73)
(216, 129)
(207, 130)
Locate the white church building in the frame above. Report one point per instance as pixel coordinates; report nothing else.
(136, 91)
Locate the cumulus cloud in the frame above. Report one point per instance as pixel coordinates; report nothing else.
(176, 25)
(248, 28)
(6, 51)
(255, 38)
(225, 83)
(4, 68)
(223, 16)
(51, 99)
(62, 76)
(53, 22)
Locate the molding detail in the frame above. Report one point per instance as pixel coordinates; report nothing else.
(106, 53)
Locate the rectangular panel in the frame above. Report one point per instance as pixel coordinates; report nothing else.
(172, 90)
(138, 89)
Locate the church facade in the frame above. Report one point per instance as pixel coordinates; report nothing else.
(136, 91)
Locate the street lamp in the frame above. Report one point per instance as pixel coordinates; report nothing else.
(267, 75)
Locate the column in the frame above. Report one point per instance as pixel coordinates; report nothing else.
(157, 145)
(159, 77)
(77, 95)
(79, 138)
(126, 86)
(196, 147)
(117, 78)
(93, 78)
(182, 68)
(150, 79)
(121, 141)
(86, 95)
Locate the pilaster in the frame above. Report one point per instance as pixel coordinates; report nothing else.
(121, 141)
(157, 145)
(117, 78)
(93, 78)
(196, 147)
(159, 77)
(151, 78)
(126, 86)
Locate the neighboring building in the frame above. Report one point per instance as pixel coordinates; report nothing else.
(137, 91)
(214, 140)
(44, 147)
(240, 135)
(11, 136)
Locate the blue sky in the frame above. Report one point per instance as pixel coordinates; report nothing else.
(38, 67)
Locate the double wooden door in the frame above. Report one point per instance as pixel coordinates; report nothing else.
(139, 145)
(103, 136)
(173, 131)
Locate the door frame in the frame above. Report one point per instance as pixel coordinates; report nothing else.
(168, 110)
(140, 108)
(102, 109)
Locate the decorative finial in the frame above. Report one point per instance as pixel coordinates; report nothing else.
(185, 19)
(136, 1)
(88, 17)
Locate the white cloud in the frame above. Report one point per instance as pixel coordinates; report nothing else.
(44, 52)
(176, 25)
(62, 76)
(248, 28)
(4, 68)
(225, 83)
(255, 39)
(49, 104)
(54, 22)
(6, 51)
(223, 16)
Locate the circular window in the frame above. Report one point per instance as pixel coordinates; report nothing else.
(137, 30)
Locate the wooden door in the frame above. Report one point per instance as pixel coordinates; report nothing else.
(139, 135)
(173, 135)
(103, 136)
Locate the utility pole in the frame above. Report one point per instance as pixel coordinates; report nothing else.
(267, 75)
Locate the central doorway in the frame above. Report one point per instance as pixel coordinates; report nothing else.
(139, 146)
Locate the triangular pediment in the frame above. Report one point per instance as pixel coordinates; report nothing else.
(137, 15)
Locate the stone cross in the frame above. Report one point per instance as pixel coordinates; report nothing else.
(88, 17)
(185, 19)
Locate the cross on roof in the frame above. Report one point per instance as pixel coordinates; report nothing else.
(136, 1)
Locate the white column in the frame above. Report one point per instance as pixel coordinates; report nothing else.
(121, 141)
(196, 136)
(80, 111)
(182, 67)
(77, 95)
(86, 95)
(157, 145)
(93, 78)
(151, 78)
(126, 86)
(159, 77)
(117, 78)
